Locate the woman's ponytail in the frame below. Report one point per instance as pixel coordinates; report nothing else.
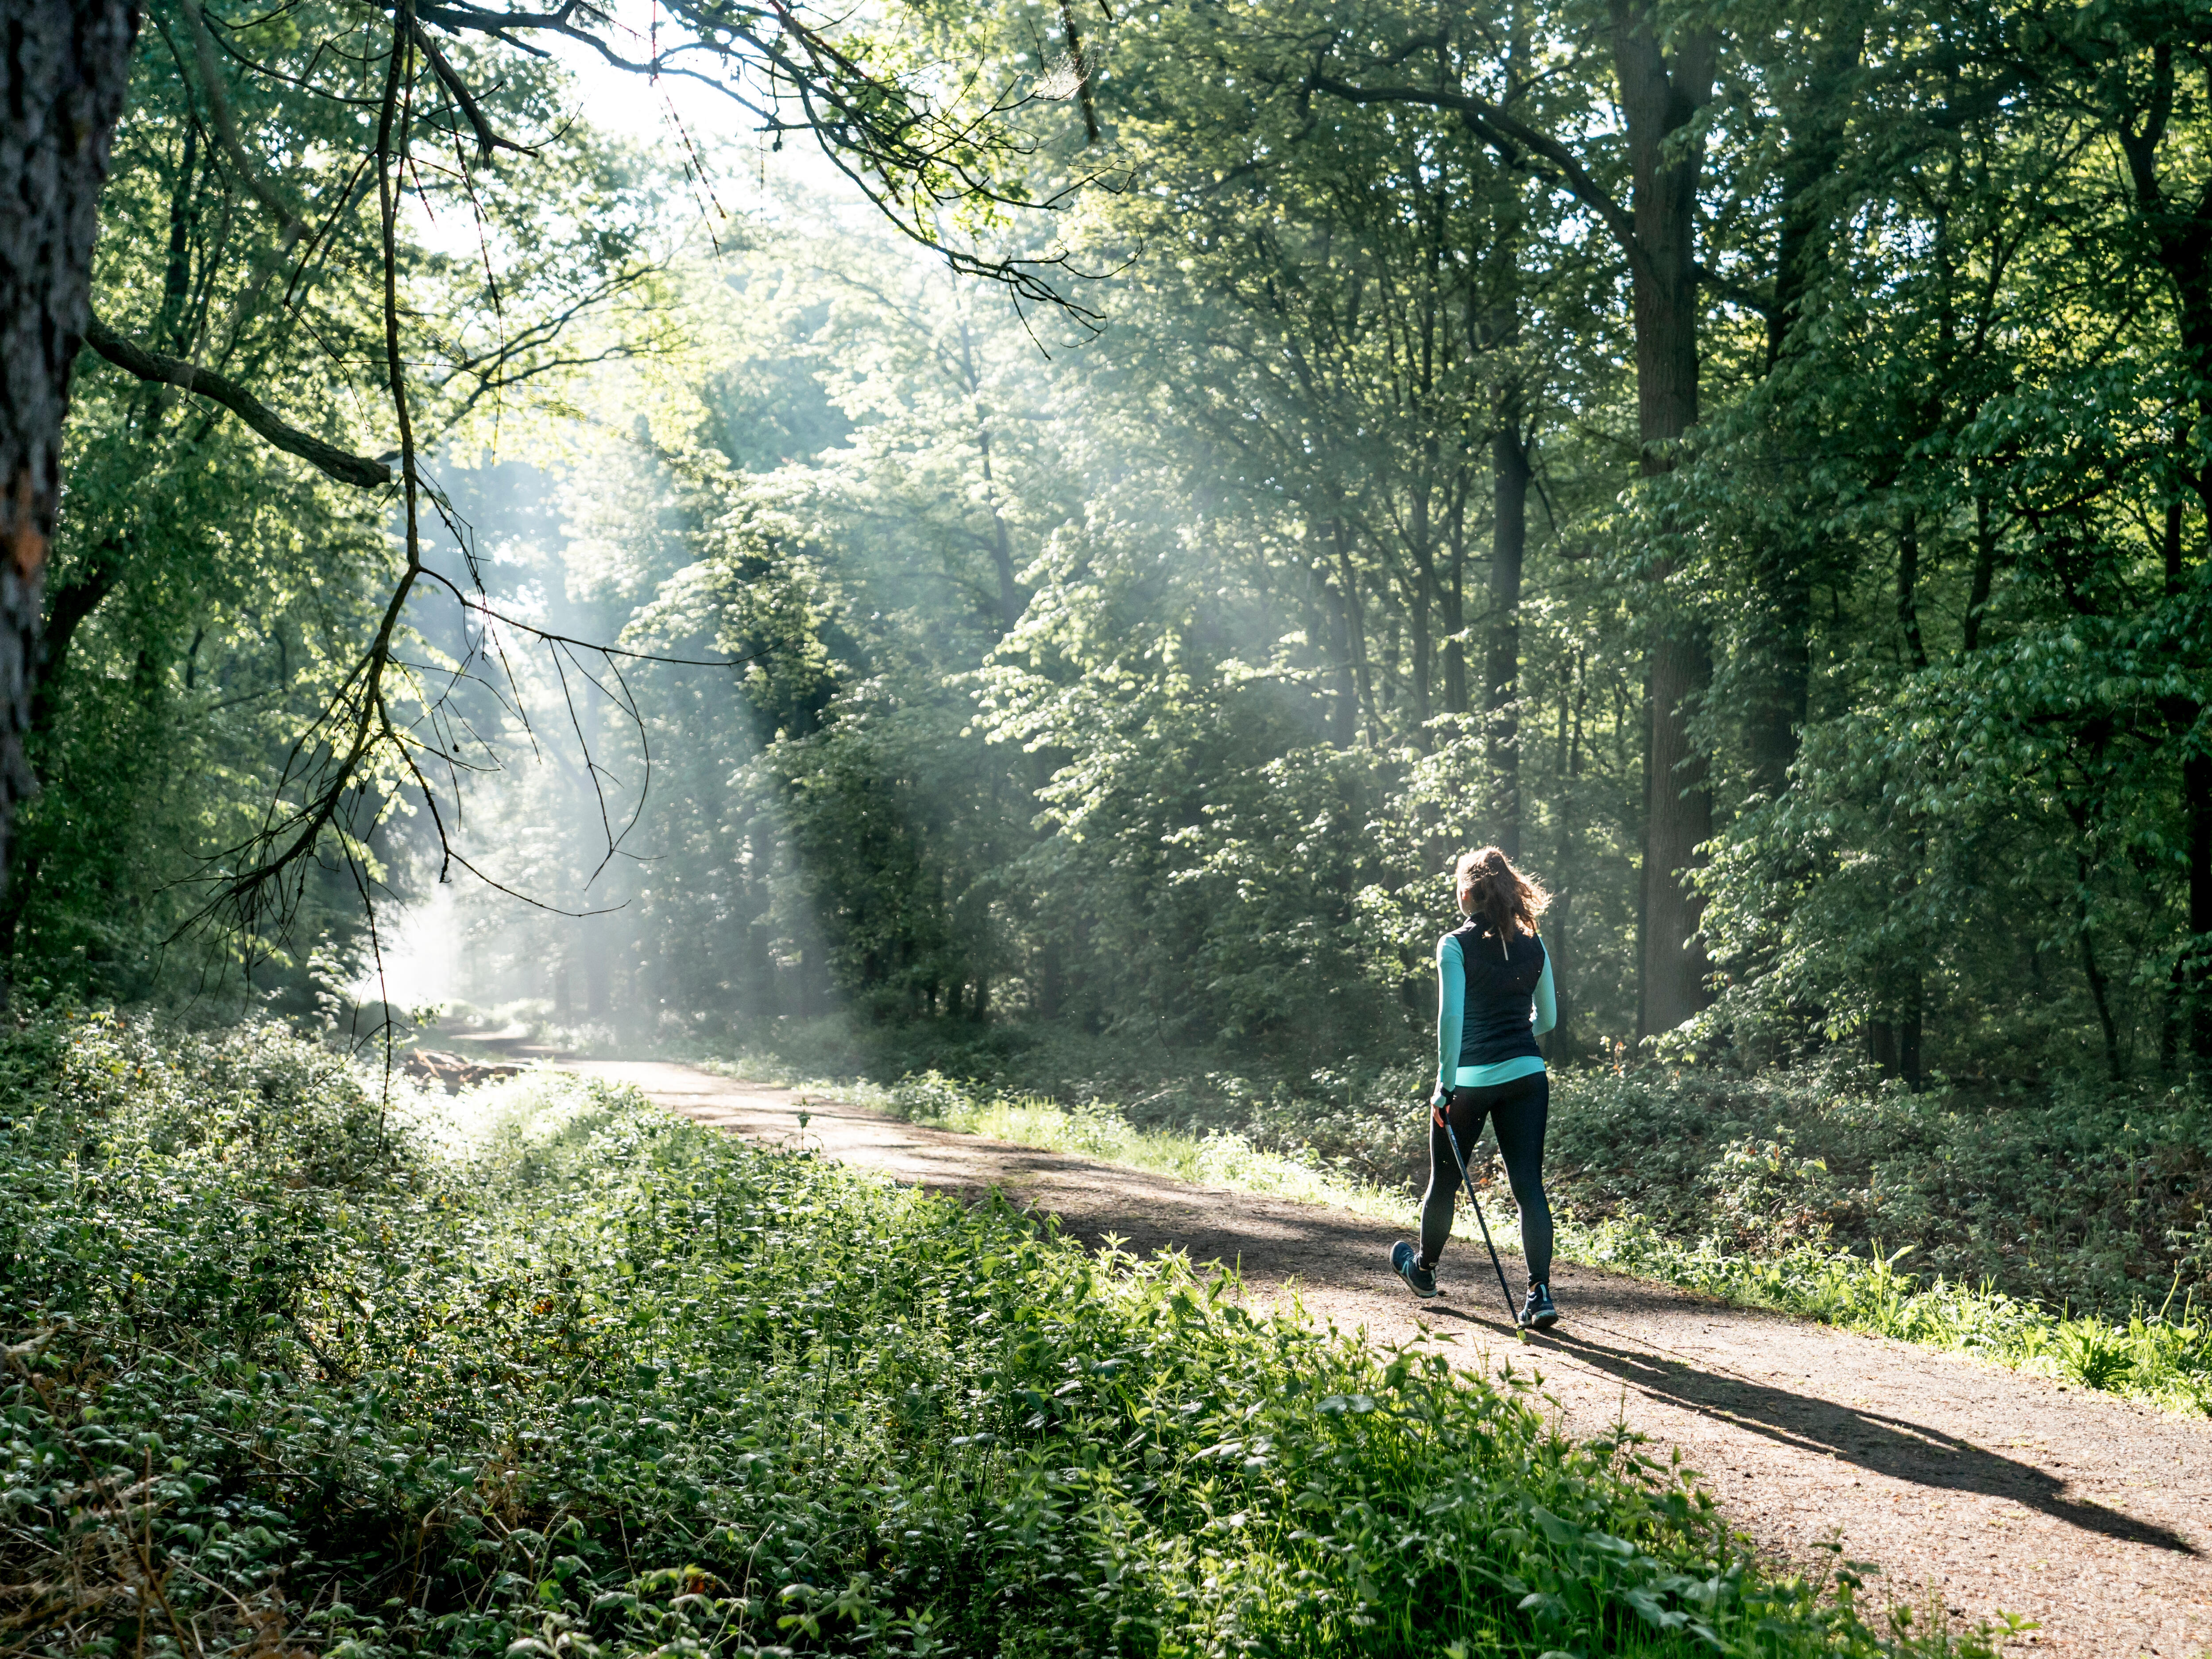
(1490, 887)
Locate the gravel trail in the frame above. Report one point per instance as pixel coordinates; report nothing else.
(1989, 1491)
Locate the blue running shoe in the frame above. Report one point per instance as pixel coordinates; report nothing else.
(1421, 1281)
(1538, 1314)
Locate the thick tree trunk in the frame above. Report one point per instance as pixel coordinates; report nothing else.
(1681, 816)
(1661, 99)
(65, 66)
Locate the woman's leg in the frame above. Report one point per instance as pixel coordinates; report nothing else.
(1438, 1203)
(1436, 1206)
(1519, 1110)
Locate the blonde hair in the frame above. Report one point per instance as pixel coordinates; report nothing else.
(1489, 886)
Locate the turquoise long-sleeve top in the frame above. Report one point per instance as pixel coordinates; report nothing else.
(1451, 1017)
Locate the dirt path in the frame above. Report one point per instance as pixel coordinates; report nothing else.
(1993, 1490)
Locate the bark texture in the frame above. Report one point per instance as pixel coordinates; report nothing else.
(64, 67)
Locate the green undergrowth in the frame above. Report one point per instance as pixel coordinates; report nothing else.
(2091, 1196)
(2159, 1351)
(556, 1375)
(2077, 1194)
(2067, 1232)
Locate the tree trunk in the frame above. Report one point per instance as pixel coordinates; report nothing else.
(1451, 601)
(1909, 1021)
(1661, 99)
(64, 67)
(1908, 589)
(1681, 816)
(1985, 572)
(2100, 995)
(1779, 639)
(2171, 547)
(1881, 1045)
(1355, 623)
(1012, 600)
(1419, 591)
(1343, 693)
(2196, 796)
(168, 332)
(2180, 228)
(1049, 987)
(1508, 540)
(1782, 679)
(71, 606)
(1643, 866)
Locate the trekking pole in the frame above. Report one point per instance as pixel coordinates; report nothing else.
(1467, 1181)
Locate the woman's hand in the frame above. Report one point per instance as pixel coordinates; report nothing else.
(1439, 1107)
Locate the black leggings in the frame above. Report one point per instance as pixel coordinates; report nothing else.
(1519, 1109)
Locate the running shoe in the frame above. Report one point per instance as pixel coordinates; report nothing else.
(1421, 1281)
(1537, 1313)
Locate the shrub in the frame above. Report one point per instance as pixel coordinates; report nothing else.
(2084, 1198)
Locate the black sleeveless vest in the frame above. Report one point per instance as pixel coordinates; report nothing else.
(1501, 992)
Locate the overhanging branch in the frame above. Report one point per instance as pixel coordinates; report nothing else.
(132, 358)
(1502, 131)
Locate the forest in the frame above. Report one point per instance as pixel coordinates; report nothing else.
(1770, 500)
(998, 554)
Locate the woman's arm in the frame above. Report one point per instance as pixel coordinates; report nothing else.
(1451, 1010)
(1547, 996)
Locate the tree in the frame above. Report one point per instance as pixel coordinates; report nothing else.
(63, 75)
(1664, 77)
(432, 75)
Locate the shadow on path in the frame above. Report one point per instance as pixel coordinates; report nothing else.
(1890, 1446)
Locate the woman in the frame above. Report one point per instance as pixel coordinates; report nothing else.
(1494, 998)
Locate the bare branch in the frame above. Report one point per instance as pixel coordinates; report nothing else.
(225, 126)
(1505, 132)
(487, 140)
(359, 470)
